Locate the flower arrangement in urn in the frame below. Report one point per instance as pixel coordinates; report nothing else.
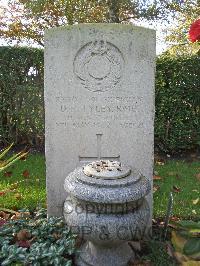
(194, 31)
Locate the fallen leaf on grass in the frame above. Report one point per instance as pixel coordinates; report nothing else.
(14, 186)
(198, 176)
(155, 188)
(18, 196)
(7, 174)
(195, 201)
(2, 193)
(157, 177)
(176, 189)
(194, 212)
(26, 174)
(160, 162)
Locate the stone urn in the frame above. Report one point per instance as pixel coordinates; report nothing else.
(106, 206)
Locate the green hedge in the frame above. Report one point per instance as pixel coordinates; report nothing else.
(177, 122)
(21, 95)
(177, 119)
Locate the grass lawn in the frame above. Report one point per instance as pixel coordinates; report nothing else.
(181, 178)
(23, 186)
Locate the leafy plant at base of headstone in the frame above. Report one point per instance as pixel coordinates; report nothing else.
(157, 254)
(38, 241)
(14, 158)
(186, 241)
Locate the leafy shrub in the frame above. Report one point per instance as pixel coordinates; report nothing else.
(21, 95)
(40, 241)
(177, 123)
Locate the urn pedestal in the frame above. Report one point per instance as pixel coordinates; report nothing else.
(106, 207)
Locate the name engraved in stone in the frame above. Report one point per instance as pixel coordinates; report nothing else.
(92, 109)
(97, 112)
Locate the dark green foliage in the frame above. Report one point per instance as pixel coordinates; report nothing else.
(52, 243)
(157, 254)
(21, 95)
(177, 119)
(177, 122)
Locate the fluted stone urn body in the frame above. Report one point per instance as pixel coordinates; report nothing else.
(106, 206)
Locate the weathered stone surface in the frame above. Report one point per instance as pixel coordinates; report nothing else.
(99, 100)
(106, 212)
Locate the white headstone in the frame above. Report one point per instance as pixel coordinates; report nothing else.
(99, 100)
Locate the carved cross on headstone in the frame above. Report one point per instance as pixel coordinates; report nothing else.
(98, 155)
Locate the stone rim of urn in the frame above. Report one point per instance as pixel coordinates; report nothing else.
(106, 206)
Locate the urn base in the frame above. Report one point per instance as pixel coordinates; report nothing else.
(96, 255)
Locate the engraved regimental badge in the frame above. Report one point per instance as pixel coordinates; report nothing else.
(98, 65)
